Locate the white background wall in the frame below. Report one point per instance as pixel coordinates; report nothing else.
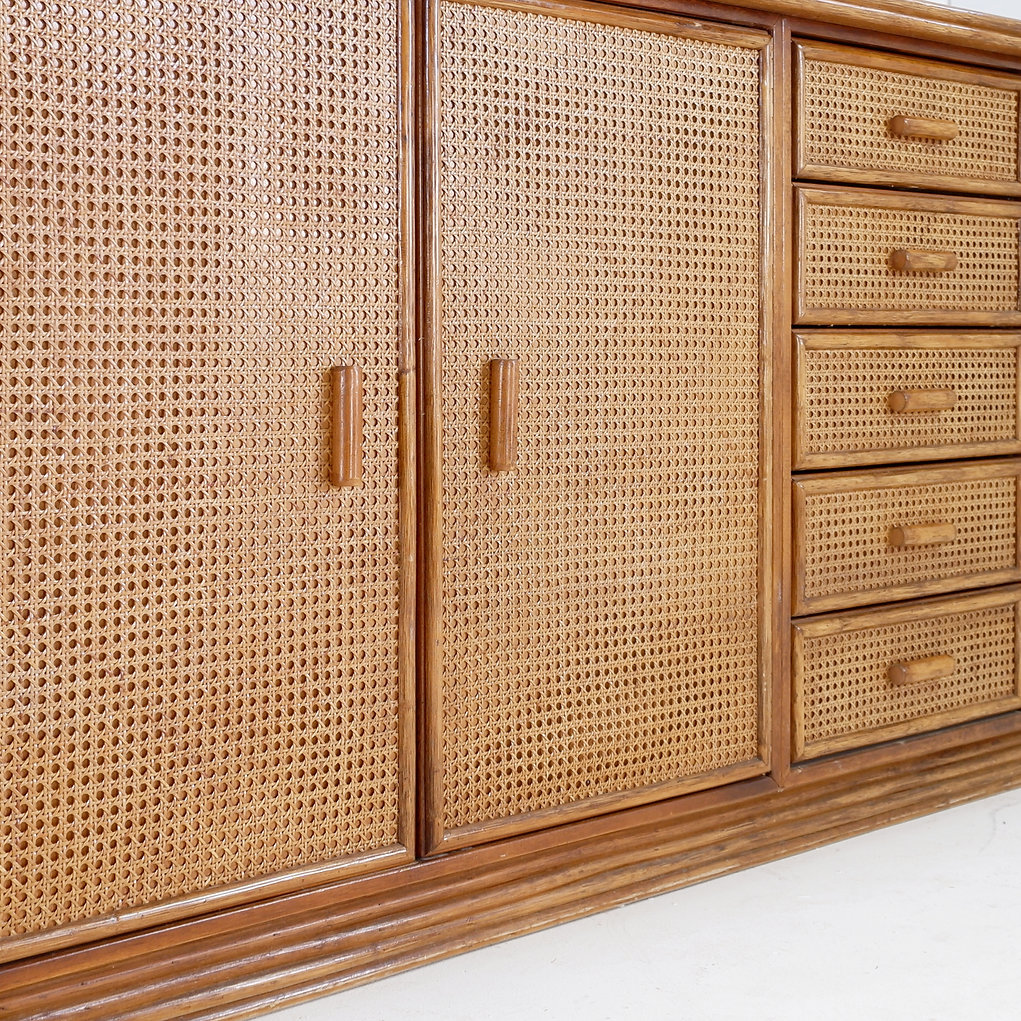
(1006, 8)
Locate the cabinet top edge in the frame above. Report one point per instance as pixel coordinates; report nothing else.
(944, 68)
(910, 20)
(679, 23)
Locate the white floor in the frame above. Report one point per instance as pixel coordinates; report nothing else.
(917, 922)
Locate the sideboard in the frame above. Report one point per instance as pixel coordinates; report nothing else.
(472, 464)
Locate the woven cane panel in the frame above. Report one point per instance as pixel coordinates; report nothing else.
(199, 217)
(845, 686)
(600, 220)
(845, 547)
(845, 112)
(843, 406)
(846, 264)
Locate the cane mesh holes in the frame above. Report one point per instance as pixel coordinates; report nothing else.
(846, 688)
(847, 259)
(599, 220)
(199, 216)
(845, 536)
(844, 403)
(845, 111)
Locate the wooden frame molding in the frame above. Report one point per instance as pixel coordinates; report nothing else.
(435, 890)
(242, 962)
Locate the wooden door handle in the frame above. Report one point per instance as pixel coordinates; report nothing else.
(904, 536)
(503, 414)
(923, 127)
(909, 260)
(346, 425)
(918, 671)
(907, 401)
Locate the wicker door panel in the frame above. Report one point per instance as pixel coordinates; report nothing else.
(200, 636)
(598, 212)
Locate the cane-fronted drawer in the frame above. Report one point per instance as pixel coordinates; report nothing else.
(894, 258)
(869, 537)
(874, 398)
(869, 117)
(869, 676)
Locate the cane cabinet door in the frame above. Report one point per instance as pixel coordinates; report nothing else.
(200, 236)
(592, 449)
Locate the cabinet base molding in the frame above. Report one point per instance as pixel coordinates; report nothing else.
(242, 962)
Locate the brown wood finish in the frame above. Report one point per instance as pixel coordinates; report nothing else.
(881, 397)
(903, 536)
(285, 938)
(503, 413)
(844, 132)
(915, 402)
(907, 260)
(923, 127)
(919, 671)
(782, 364)
(347, 414)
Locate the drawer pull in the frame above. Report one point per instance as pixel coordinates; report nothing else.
(906, 401)
(346, 426)
(907, 260)
(503, 414)
(923, 127)
(918, 671)
(905, 536)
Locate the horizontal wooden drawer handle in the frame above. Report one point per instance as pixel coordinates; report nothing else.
(907, 260)
(346, 426)
(923, 127)
(906, 401)
(503, 414)
(918, 671)
(903, 536)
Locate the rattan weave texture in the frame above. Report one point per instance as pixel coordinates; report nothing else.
(843, 537)
(847, 250)
(845, 111)
(843, 692)
(199, 217)
(843, 405)
(600, 210)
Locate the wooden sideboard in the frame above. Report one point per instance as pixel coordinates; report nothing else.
(472, 464)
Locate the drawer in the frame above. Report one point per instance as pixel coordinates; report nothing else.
(894, 258)
(874, 675)
(868, 398)
(875, 118)
(868, 537)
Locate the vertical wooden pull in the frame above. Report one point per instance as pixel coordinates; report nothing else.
(347, 415)
(503, 414)
(919, 671)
